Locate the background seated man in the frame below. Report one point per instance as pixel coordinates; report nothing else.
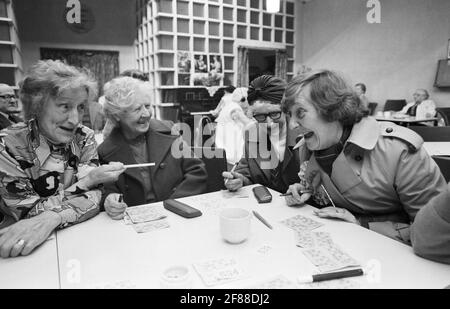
(48, 165)
(430, 232)
(8, 106)
(421, 107)
(138, 139)
(361, 89)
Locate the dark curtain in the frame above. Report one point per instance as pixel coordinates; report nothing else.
(281, 64)
(103, 64)
(242, 71)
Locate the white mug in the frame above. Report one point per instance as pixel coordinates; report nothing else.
(387, 114)
(379, 114)
(235, 225)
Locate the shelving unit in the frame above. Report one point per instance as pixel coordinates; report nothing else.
(166, 29)
(10, 55)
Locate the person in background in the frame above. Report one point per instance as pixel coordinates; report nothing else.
(231, 124)
(49, 173)
(8, 107)
(269, 158)
(361, 89)
(377, 173)
(226, 98)
(430, 232)
(138, 139)
(421, 107)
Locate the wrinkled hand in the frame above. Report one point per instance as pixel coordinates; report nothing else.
(24, 236)
(336, 213)
(114, 208)
(233, 181)
(103, 174)
(297, 198)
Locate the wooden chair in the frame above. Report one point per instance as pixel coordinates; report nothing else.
(444, 166)
(394, 105)
(372, 107)
(432, 134)
(214, 166)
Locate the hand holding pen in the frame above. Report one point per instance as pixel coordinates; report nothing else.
(233, 181)
(297, 195)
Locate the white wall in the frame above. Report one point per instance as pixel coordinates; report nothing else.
(392, 58)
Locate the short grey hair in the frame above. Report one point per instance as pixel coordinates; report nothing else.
(47, 79)
(120, 94)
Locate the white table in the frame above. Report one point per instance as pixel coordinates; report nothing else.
(108, 251)
(36, 271)
(437, 148)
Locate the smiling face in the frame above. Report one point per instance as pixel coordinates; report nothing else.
(318, 133)
(135, 120)
(8, 100)
(265, 107)
(62, 115)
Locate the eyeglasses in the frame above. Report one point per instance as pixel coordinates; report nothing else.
(263, 117)
(8, 96)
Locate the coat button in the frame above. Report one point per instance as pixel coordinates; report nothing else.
(162, 165)
(389, 130)
(358, 158)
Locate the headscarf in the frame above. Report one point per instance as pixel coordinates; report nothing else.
(267, 88)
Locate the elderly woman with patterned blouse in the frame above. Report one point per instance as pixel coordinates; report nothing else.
(49, 172)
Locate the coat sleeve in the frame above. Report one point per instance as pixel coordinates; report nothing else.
(417, 180)
(108, 188)
(430, 232)
(195, 175)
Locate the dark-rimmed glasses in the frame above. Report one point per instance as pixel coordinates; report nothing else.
(263, 117)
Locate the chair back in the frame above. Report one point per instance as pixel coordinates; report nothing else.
(394, 105)
(443, 116)
(444, 166)
(372, 107)
(215, 160)
(432, 134)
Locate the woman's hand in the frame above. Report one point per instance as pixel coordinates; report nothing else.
(114, 208)
(103, 174)
(233, 181)
(24, 236)
(298, 195)
(336, 213)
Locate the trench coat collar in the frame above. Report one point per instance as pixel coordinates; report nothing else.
(365, 134)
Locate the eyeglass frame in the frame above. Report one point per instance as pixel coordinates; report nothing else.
(8, 96)
(270, 114)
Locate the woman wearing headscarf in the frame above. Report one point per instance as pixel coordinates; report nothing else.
(269, 158)
(49, 174)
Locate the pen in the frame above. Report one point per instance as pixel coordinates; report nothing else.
(138, 165)
(260, 218)
(232, 170)
(301, 192)
(329, 197)
(331, 276)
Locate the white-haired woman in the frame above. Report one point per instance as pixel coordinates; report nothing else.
(135, 139)
(48, 165)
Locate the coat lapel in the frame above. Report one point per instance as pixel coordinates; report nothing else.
(117, 147)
